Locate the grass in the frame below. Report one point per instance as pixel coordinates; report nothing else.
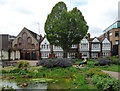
(114, 68)
(77, 62)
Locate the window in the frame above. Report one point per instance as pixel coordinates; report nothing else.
(116, 33)
(15, 46)
(20, 43)
(29, 43)
(110, 34)
(116, 42)
(24, 40)
(33, 46)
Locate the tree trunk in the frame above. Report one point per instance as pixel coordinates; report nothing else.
(65, 54)
(52, 55)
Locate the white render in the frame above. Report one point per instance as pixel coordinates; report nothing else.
(84, 48)
(45, 48)
(106, 47)
(84, 45)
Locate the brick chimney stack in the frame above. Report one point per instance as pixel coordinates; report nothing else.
(40, 37)
(88, 36)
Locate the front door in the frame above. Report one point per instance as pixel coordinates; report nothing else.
(27, 56)
(34, 57)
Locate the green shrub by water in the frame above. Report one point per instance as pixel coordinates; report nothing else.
(105, 84)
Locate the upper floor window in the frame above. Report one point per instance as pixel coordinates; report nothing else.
(33, 46)
(24, 40)
(15, 46)
(116, 42)
(20, 42)
(116, 33)
(29, 43)
(84, 46)
(95, 46)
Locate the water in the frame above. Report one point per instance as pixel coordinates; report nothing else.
(14, 84)
(32, 85)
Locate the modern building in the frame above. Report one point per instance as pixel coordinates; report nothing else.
(112, 33)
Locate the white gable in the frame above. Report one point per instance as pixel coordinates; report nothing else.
(106, 41)
(95, 40)
(45, 41)
(84, 40)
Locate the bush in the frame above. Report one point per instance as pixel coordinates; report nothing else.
(96, 71)
(49, 63)
(60, 62)
(115, 60)
(40, 63)
(103, 61)
(23, 64)
(105, 84)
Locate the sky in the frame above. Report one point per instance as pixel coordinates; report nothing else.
(32, 14)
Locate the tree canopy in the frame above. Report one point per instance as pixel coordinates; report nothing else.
(64, 28)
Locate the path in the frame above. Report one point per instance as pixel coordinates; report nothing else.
(114, 74)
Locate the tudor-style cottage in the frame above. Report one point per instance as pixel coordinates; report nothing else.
(95, 48)
(27, 42)
(106, 47)
(84, 48)
(45, 48)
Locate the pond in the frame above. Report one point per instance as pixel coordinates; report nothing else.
(40, 83)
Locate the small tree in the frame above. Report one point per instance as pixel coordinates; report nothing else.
(65, 28)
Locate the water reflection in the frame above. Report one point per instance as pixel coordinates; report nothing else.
(6, 83)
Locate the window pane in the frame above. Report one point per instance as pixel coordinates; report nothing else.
(24, 41)
(29, 43)
(19, 43)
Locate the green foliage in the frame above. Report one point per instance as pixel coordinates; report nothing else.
(22, 64)
(105, 84)
(65, 28)
(115, 60)
(96, 71)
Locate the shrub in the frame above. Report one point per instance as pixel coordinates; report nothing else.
(40, 63)
(115, 60)
(96, 71)
(15, 71)
(4, 71)
(105, 84)
(23, 64)
(60, 62)
(48, 63)
(103, 61)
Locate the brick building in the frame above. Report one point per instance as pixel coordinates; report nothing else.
(112, 33)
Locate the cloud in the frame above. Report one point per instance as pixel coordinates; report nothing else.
(16, 14)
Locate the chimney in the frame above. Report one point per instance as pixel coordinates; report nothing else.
(88, 36)
(40, 37)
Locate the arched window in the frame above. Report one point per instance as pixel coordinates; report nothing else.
(15, 46)
(29, 43)
(20, 46)
(33, 46)
(24, 40)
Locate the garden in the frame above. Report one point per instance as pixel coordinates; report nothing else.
(60, 74)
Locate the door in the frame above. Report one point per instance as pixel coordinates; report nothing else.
(34, 57)
(27, 56)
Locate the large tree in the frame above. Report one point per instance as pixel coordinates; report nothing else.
(65, 28)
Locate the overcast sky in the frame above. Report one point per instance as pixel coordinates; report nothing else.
(17, 14)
